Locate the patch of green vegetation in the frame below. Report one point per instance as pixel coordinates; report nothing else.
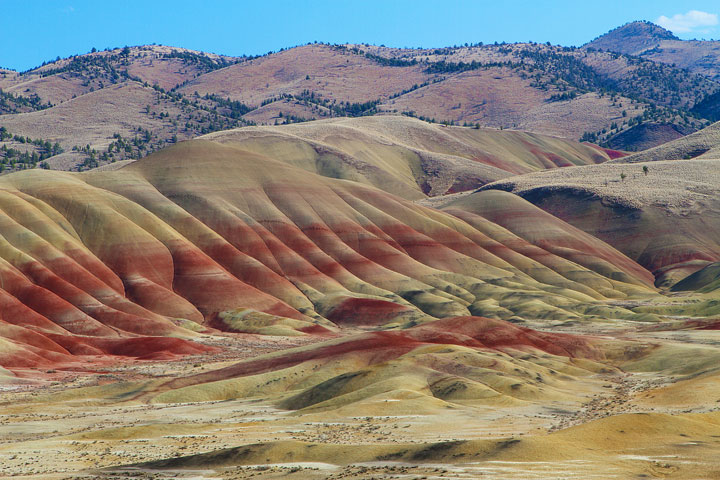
(207, 114)
(229, 108)
(143, 143)
(92, 67)
(27, 152)
(334, 108)
(385, 61)
(205, 62)
(10, 103)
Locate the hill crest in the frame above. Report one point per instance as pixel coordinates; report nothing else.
(176, 94)
(631, 38)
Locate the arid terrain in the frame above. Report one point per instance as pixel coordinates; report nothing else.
(375, 297)
(363, 262)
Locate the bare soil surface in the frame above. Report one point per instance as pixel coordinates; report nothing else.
(59, 429)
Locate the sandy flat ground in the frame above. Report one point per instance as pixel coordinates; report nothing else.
(58, 428)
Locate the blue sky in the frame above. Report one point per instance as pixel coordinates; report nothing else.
(37, 30)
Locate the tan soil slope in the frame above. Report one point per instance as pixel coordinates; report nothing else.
(406, 156)
(329, 72)
(702, 144)
(698, 56)
(500, 98)
(667, 219)
(88, 118)
(624, 446)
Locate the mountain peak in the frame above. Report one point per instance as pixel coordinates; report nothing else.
(632, 38)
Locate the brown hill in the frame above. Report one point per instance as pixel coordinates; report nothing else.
(333, 74)
(177, 94)
(632, 38)
(659, 45)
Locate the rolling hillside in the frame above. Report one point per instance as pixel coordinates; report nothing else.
(207, 236)
(300, 300)
(654, 43)
(664, 214)
(147, 97)
(702, 144)
(355, 261)
(408, 157)
(303, 229)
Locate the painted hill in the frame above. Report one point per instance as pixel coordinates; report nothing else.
(368, 295)
(409, 157)
(356, 369)
(206, 236)
(338, 291)
(705, 280)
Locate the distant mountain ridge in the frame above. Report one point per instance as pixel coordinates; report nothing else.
(140, 99)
